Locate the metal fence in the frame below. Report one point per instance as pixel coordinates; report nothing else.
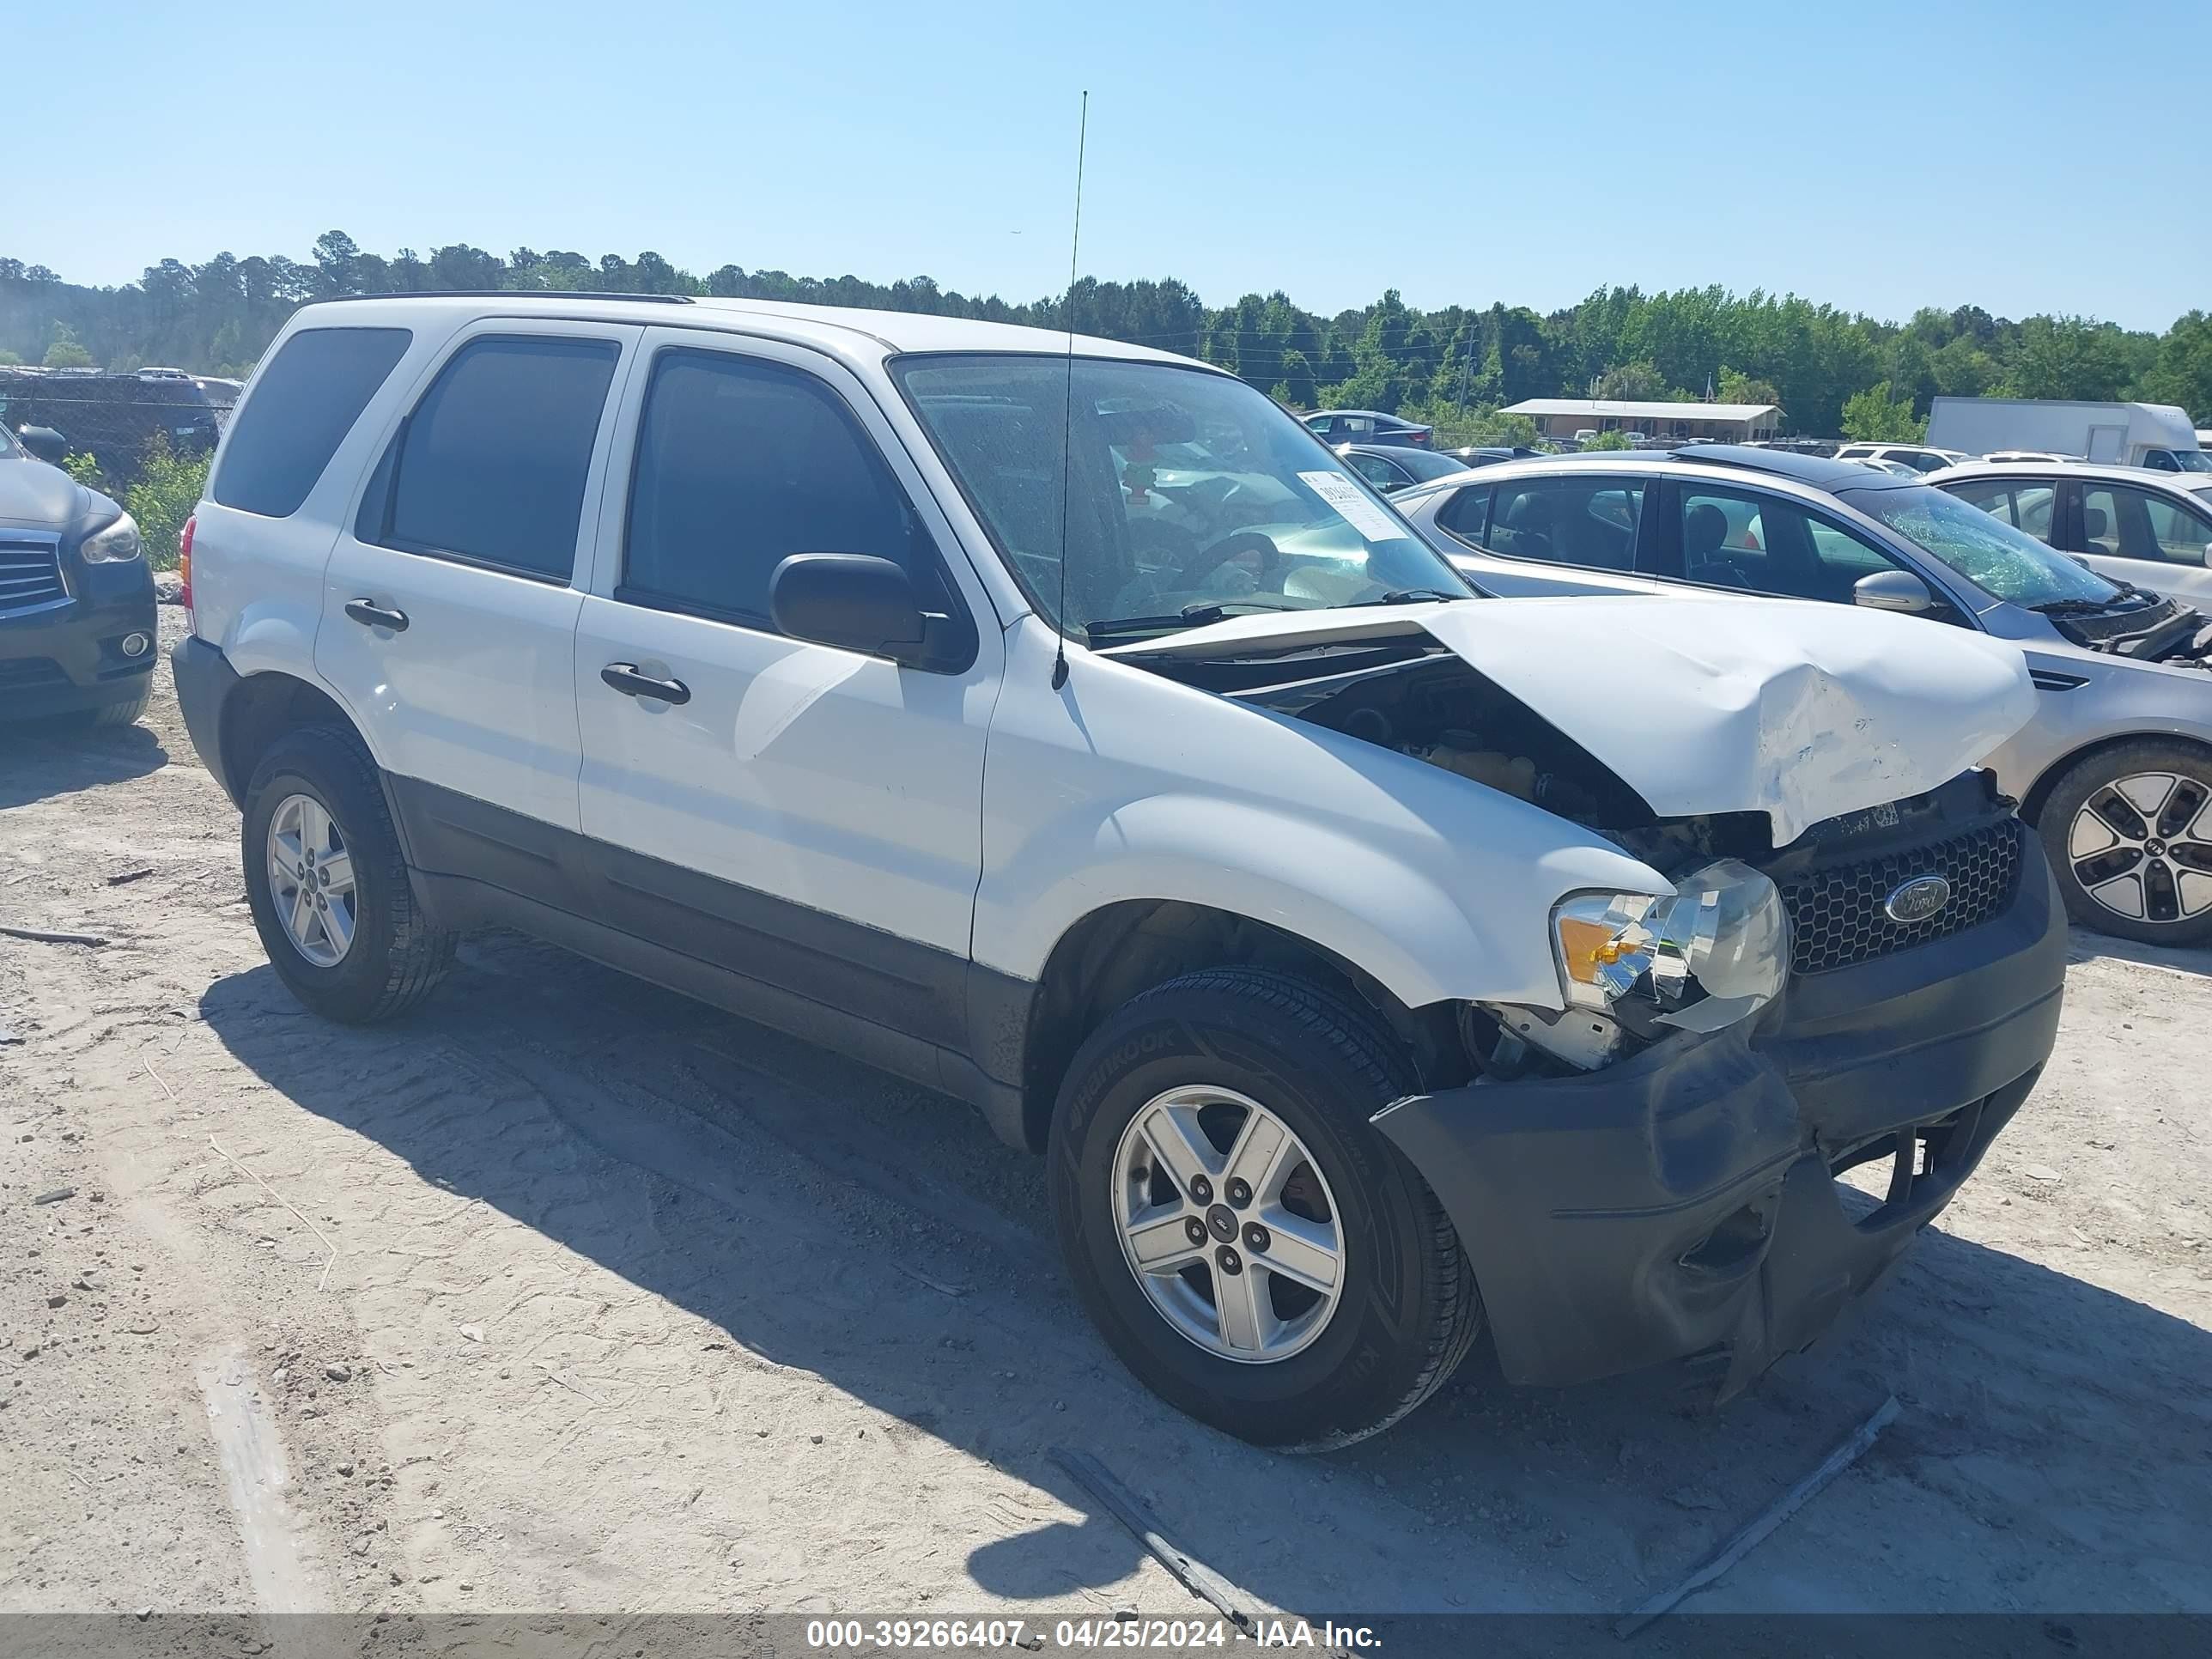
(115, 418)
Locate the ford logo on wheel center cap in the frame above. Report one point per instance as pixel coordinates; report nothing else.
(1918, 899)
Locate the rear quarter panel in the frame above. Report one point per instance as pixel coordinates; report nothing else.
(257, 581)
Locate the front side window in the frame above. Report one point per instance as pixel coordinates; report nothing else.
(491, 467)
(1768, 545)
(305, 401)
(2003, 563)
(1585, 521)
(2181, 532)
(2134, 524)
(1184, 489)
(741, 463)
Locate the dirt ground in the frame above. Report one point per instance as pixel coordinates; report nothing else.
(567, 1293)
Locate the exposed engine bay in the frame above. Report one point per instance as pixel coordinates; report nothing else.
(1441, 710)
(1433, 706)
(2159, 630)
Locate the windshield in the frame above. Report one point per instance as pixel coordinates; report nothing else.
(2003, 563)
(2192, 460)
(1189, 490)
(9, 450)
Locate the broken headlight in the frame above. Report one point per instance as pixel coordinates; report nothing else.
(1714, 952)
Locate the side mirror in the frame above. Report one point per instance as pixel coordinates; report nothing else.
(1894, 590)
(44, 442)
(859, 602)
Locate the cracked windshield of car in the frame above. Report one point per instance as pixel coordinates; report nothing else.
(2003, 563)
(1190, 496)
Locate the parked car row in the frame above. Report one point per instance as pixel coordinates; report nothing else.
(1374, 963)
(1915, 458)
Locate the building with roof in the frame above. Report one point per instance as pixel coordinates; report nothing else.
(1563, 417)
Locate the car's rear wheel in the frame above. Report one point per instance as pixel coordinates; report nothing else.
(1247, 1241)
(2129, 832)
(328, 886)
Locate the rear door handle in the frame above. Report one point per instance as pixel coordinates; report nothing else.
(624, 678)
(369, 614)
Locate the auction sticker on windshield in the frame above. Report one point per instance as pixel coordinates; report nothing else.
(1354, 508)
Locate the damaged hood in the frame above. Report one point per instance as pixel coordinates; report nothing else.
(1802, 712)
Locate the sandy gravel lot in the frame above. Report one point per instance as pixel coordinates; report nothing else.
(568, 1294)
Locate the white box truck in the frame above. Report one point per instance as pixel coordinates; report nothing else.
(2156, 435)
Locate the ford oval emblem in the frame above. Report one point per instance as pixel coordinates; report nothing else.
(1918, 899)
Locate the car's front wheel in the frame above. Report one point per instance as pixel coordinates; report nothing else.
(2129, 832)
(1246, 1241)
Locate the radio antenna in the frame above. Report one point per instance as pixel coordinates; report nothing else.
(1067, 411)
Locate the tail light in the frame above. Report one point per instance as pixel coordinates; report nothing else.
(184, 564)
(1420, 435)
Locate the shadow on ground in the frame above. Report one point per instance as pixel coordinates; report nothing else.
(40, 758)
(2082, 945)
(819, 1211)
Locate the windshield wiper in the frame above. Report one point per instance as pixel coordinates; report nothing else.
(2071, 607)
(1191, 616)
(1409, 596)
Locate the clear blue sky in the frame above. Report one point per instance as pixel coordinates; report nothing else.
(2023, 156)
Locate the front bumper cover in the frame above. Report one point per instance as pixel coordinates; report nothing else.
(1683, 1202)
(68, 657)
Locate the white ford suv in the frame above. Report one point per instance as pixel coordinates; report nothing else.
(1060, 725)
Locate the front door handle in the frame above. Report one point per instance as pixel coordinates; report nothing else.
(369, 614)
(624, 678)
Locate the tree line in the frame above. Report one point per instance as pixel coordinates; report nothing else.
(1834, 372)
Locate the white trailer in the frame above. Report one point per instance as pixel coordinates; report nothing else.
(2120, 434)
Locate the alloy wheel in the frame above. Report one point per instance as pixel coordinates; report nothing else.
(311, 883)
(2141, 846)
(1228, 1225)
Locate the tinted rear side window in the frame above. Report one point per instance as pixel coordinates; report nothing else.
(304, 403)
(491, 467)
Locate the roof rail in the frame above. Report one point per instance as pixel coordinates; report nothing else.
(512, 293)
